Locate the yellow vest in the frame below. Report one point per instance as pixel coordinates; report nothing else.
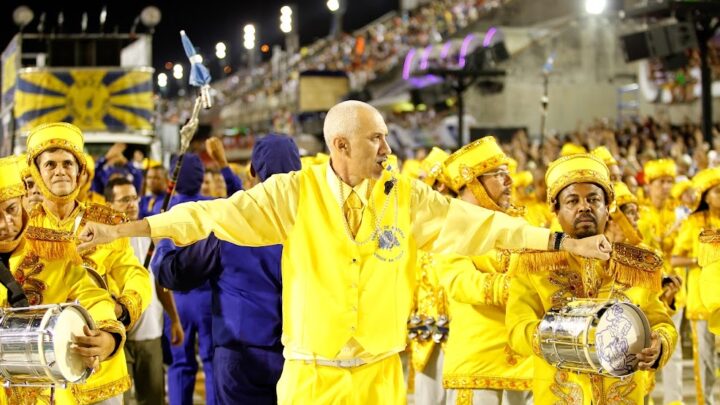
(336, 290)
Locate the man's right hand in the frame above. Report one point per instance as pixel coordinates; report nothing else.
(593, 247)
(96, 234)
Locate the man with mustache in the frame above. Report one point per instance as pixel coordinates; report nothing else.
(56, 161)
(579, 189)
(480, 367)
(350, 231)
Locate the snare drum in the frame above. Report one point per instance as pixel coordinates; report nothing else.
(35, 345)
(596, 337)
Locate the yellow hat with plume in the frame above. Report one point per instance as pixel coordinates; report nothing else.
(578, 168)
(472, 160)
(655, 169)
(432, 166)
(604, 154)
(706, 179)
(570, 149)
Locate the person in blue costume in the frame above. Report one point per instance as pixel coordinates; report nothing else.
(246, 294)
(193, 305)
(156, 182)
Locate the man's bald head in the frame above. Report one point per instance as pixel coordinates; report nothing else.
(348, 119)
(355, 135)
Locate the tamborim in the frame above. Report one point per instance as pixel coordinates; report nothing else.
(596, 337)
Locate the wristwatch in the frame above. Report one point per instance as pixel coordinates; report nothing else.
(125, 316)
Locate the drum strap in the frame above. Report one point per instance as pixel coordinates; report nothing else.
(16, 296)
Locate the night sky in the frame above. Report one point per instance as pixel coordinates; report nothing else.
(208, 22)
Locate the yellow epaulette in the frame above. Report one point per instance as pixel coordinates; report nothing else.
(709, 251)
(535, 261)
(636, 266)
(52, 244)
(106, 215)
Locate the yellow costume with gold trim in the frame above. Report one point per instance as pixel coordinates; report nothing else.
(545, 280)
(343, 299)
(49, 281)
(431, 168)
(477, 354)
(116, 263)
(710, 277)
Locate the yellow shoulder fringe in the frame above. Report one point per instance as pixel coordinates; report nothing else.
(52, 244)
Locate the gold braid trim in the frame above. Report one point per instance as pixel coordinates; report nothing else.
(115, 327)
(537, 261)
(635, 266)
(477, 382)
(488, 288)
(478, 191)
(102, 392)
(696, 363)
(665, 344)
(106, 215)
(132, 301)
(27, 395)
(52, 244)
(709, 251)
(17, 190)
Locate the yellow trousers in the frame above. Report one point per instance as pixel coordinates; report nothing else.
(304, 382)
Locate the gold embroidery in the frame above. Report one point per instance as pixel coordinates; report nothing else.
(27, 395)
(635, 266)
(578, 176)
(567, 392)
(102, 392)
(511, 357)
(52, 244)
(113, 326)
(102, 214)
(569, 284)
(488, 285)
(33, 288)
(474, 382)
(596, 385)
(132, 301)
(619, 391)
(49, 235)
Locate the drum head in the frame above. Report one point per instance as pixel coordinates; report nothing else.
(622, 332)
(70, 321)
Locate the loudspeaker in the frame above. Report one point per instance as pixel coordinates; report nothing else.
(658, 42)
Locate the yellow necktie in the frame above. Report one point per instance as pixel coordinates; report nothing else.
(353, 209)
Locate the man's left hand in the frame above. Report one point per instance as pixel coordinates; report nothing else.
(94, 347)
(649, 355)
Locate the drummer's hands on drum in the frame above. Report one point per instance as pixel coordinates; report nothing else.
(648, 357)
(595, 247)
(94, 347)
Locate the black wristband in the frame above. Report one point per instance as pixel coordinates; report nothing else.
(559, 236)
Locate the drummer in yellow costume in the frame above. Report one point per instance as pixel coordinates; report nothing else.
(686, 253)
(56, 162)
(579, 189)
(428, 325)
(350, 231)
(480, 367)
(49, 281)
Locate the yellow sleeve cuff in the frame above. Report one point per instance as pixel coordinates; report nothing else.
(115, 327)
(132, 301)
(536, 238)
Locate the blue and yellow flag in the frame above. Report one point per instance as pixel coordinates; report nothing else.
(93, 99)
